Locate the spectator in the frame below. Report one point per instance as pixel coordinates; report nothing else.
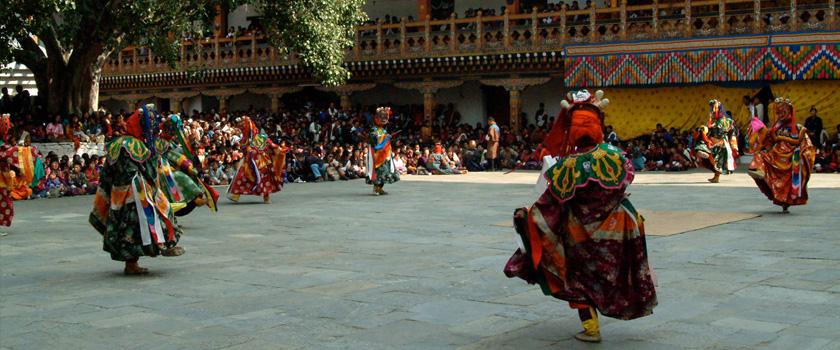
(78, 184)
(814, 125)
(54, 186)
(55, 130)
(217, 174)
(612, 137)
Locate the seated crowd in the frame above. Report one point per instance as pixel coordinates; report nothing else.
(328, 144)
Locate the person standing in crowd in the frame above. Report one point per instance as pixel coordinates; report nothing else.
(493, 137)
(5, 101)
(177, 170)
(583, 241)
(612, 136)
(380, 163)
(717, 144)
(782, 166)
(540, 117)
(759, 110)
(130, 210)
(814, 125)
(263, 167)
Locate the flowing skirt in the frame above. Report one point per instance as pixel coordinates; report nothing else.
(133, 216)
(603, 263)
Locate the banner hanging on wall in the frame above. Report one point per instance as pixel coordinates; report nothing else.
(775, 63)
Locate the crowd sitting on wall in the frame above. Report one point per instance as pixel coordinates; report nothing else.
(328, 144)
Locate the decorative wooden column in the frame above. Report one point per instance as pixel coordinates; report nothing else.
(424, 9)
(175, 105)
(176, 99)
(220, 21)
(428, 108)
(344, 92)
(275, 93)
(345, 102)
(428, 88)
(513, 6)
(223, 99)
(223, 95)
(132, 100)
(275, 102)
(515, 107)
(515, 86)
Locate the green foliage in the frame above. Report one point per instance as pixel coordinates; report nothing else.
(319, 31)
(85, 31)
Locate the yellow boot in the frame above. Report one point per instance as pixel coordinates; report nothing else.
(591, 328)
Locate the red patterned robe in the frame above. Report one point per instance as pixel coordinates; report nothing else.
(786, 159)
(262, 170)
(583, 241)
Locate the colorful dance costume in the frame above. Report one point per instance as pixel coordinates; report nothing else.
(717, 142)
(583, 241)
(380, 161)
(20, 169)
(784, 159)
(177, 172)
(263, 168)
(130, 210)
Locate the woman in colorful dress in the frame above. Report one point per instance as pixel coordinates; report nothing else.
(262, 169)
(782, 164)
(20, 170)
(380, 160)
(130, 210)
(178, 175)
(583, 241)
(717, 142)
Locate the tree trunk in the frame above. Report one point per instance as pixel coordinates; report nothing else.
(71, 88)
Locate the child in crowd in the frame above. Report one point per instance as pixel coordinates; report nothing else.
(78, 183)
(54, 186)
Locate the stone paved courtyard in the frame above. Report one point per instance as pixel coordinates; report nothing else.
(327, 266)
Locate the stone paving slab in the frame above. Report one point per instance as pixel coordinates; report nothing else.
(327, 266)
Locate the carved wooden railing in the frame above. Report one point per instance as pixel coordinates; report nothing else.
(510, 33)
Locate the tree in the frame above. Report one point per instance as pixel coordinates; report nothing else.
(65, 43)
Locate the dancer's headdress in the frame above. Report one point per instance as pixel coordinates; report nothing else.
(383, 114)
(582, 115)
(788, 112)
(249, 129)
(142, 124)
(172, 128)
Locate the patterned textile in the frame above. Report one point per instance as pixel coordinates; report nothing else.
(7, 208)
(786, 62)
(262, 170)
(178, 177)
(18, 171)
(787, 158)
(719, 145)
(132, 147)
(380, 160)
(603, 165)
(130, 210)
(586, 245)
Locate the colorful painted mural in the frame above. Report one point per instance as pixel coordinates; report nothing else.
(799, 62)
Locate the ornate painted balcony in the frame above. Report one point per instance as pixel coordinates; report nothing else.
(464, 39)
